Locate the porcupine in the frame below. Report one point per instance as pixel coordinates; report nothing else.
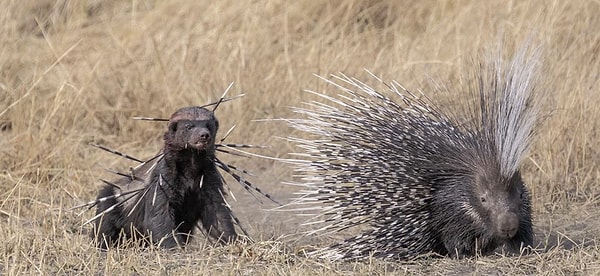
(164, 198)
(423, 180)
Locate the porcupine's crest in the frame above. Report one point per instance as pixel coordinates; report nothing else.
(509, 120)
(133, 186)
(371, 160)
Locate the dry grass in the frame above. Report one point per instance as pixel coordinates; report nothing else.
(73, 72)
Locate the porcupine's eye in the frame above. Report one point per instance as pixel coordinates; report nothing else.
(522, 195)
(189, 126)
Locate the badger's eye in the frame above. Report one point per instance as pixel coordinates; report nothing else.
(482, 199)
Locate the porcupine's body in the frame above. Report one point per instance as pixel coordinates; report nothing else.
(172, 192)
(422, 180)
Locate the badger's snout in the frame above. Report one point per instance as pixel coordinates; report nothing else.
(200, 138)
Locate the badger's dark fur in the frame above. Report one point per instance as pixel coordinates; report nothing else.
(165, 198)
(421, 180)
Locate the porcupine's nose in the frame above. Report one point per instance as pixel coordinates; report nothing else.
(508, 224)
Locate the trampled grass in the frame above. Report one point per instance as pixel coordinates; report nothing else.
(75, 72)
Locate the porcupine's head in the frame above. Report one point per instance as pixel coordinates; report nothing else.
(192, 128)
(477, 210)
(501, 207)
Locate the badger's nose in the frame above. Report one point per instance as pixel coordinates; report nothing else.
(205, 135)
(201, 134)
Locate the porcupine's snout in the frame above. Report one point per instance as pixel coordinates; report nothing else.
(507, 225)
